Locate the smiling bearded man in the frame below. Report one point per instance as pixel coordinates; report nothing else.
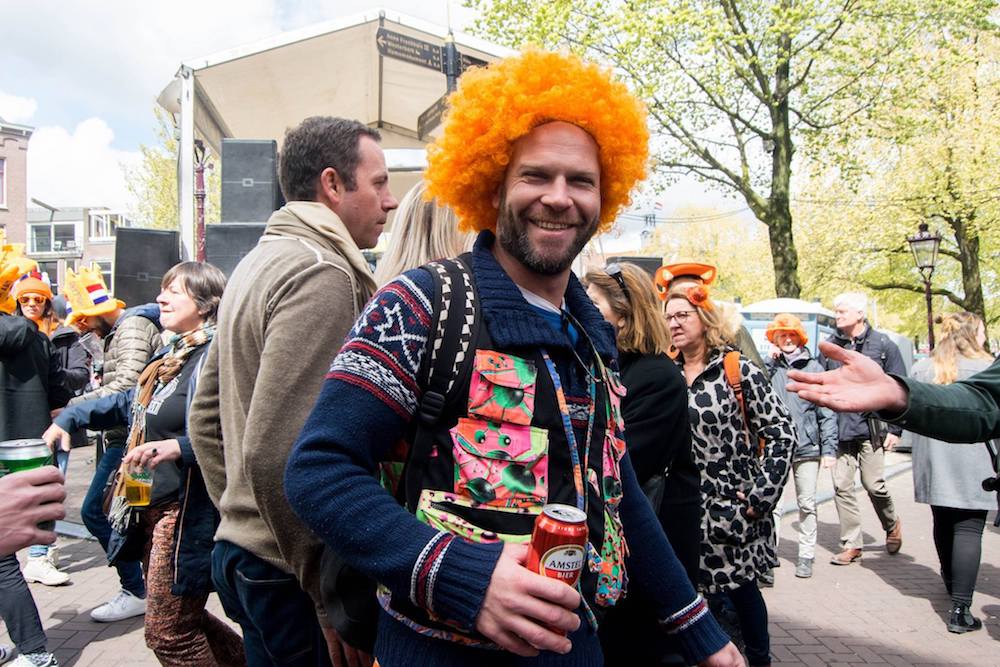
(542, 149)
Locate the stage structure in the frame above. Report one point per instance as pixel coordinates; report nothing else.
(386, 69)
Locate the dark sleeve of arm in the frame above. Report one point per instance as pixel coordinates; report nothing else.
(98, 414)
(77, 367)
(894, 366)
(966, 411)
(59, 393)
(653, 568)
(655, 413)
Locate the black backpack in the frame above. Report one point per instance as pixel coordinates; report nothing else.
(349, 595)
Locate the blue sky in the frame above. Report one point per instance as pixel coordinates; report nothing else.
(86, 75)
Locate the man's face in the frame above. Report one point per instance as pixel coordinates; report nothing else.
(93, 324)
(364, 209)
(847, 318)
(550, 202)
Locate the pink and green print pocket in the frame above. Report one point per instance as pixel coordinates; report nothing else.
(502, 388)
(500, 465)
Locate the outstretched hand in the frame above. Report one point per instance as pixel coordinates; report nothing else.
(524, 612)
(860, 385)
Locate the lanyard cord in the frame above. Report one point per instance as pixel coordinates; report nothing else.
(579, 467)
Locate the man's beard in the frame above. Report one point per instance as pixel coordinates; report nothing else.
(102, 327)
(512, 234)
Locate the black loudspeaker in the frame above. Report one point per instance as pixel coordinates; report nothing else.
(226, 245)
(142, 257)
(647, 264)
(250, 190)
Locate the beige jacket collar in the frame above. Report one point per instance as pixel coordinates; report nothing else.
(312, 221)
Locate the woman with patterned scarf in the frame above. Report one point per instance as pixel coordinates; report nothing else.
(175, 531)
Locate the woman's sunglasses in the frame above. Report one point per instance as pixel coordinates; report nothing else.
(31, 300)
(615, 271)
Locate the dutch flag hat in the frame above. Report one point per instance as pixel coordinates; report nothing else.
(87, 295)
(33, 282)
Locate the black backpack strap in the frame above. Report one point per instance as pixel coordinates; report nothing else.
(447, 364)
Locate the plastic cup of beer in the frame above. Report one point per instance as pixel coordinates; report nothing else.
(25, 454)
(138, 487)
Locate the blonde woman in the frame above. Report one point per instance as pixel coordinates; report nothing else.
(658, 439)
(948, 477)
(739, 484)
(422, 231)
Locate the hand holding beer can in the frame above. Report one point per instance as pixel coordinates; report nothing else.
(558, 543)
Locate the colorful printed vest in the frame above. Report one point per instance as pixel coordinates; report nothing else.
(500, 452)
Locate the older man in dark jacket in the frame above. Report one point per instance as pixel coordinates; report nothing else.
(862, 441)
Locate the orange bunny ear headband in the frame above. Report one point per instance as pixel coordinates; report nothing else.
(698, 295)
(668, 273)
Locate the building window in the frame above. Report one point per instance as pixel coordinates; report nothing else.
(54, 237)
(106, 273)
(103, 225)
(3, 183)
(51, 268)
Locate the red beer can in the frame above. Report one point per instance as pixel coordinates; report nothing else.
(558, 543)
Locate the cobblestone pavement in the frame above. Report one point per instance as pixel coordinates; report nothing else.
(887, 610)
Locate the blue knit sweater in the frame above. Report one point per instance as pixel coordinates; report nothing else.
(366, 403)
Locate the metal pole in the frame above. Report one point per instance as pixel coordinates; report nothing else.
(199, 200)
(185, 163)
(930, 312)
(452, 66)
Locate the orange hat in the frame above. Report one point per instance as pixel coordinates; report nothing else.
(787, 322)
(667, 273)
(33, 282)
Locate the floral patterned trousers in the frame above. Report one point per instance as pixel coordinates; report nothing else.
(179, 630)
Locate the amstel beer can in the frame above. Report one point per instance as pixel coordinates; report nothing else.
(558, 543)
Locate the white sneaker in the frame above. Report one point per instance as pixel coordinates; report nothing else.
(40, 570)
(122, 606)
(7, 653)
(36, 660)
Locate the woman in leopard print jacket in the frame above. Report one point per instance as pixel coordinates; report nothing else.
(740, 483)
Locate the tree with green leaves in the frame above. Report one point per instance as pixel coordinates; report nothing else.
(931, 161)
(153, 182)
(737, 88)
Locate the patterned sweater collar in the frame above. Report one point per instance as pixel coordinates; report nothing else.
(513, 321)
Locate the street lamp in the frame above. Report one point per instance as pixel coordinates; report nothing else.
(924, 245)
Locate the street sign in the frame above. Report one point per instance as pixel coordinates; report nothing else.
(431, 117)
(409, 49)
(471, 61)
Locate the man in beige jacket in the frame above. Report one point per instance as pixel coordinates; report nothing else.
(285, 313)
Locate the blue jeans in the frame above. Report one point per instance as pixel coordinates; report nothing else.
(129, 572)
(18, 610)
(62, 462)
(278, 618)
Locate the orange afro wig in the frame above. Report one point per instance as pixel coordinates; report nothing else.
(496, 105)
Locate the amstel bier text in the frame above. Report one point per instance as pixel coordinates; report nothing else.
(558, 543)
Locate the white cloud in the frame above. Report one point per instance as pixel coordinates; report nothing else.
(79, 168)
(16, 109)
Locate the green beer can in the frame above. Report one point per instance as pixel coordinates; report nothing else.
(24, 454)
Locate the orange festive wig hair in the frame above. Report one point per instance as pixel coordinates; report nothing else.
(496, 105)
